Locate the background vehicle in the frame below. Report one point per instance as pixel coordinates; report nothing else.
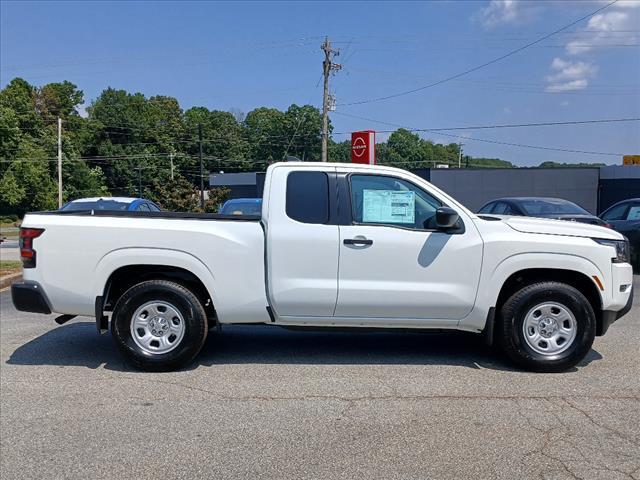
(624, 217)
(112, 203)
(409, 256)
(242, 206)
(555, 208)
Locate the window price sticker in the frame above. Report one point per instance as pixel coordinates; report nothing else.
(388, 206)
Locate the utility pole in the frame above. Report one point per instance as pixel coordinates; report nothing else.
(139, 181)
(171, 160)
(59, 162)
(201, 167)
(460, 145)
(327, 68)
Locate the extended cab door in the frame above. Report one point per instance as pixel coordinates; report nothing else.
(302, 243)
(395, 263)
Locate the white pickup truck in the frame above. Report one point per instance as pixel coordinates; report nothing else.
(337, 245)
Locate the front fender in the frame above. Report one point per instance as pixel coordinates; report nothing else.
(493, 279)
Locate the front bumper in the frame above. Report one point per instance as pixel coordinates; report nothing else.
(610, 316)
(30, 297)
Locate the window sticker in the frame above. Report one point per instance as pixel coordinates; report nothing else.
(388, 206)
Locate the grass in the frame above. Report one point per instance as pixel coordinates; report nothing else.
(9, 223)
(9, 232)
(7, 267)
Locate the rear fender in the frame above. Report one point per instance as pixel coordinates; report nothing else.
(124, 257)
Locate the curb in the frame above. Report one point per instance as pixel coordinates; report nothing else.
(9, 279)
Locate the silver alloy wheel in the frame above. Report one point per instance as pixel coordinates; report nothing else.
(157, 327)
(550, 328)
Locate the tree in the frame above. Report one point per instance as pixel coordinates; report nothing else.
(29, 188)
(10, 135)
(224, 144)
(264, 129)
(57, 100)
(127, 137)
(302, 133)
(340, 151)
(551, 164)
(19, 96)
(180, 195)
(405, 149)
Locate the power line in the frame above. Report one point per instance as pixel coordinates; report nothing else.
(506, 125)
(287, 138)
(486, 64)
(520, 145)
(253, 46)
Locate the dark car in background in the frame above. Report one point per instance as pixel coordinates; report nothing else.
(555, 208)
(625, 218)
(242, 206)
(123, 204)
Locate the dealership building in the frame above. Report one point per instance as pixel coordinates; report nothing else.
(595, 189)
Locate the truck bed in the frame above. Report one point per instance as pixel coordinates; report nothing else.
(79, 251)
(169, 215)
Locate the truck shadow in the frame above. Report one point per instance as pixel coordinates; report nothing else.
(77, 344)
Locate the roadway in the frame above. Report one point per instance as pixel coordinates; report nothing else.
(262, 402)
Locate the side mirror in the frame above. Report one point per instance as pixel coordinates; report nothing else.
(446, 218)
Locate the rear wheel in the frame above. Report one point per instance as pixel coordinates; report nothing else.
(159, 325)
(547, 327)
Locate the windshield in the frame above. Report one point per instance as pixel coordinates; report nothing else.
(242, 208)
(535, 207)
(96, 205)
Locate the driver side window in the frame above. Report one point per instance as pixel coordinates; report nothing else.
(382, 200)
(616, 213)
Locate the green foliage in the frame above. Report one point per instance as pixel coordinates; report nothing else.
(57, 100)
(339, 152)
(224, 144)
(569, 165)
(180, 195)
(265, 132)
(11, 192)
(487, 162)
(130, 142)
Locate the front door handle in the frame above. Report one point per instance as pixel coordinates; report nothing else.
(358, 241)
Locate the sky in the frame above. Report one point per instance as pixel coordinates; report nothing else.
(245, 55)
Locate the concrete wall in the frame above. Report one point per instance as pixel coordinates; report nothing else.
(618, 183)
(592, 188)
(475, 187)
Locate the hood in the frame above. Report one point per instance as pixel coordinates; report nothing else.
(559, 227)
(572, 217)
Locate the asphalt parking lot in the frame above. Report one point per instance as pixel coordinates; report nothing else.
(262, 402)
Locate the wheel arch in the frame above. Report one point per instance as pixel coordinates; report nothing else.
(120, 270)
(577, 279)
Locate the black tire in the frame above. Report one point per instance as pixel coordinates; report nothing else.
(510, 334)
(186, 303)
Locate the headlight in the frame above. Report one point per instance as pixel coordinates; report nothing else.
(621, 247)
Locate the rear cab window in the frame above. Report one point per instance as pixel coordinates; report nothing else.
(308, 197)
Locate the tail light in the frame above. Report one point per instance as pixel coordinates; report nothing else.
(27, 253)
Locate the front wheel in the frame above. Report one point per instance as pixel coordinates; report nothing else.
(159, 325)
(547, 327)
